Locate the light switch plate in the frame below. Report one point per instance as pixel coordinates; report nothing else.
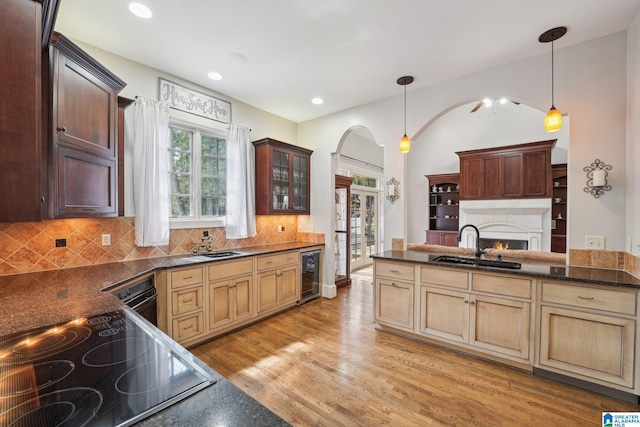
(106, 240)
(594, 242)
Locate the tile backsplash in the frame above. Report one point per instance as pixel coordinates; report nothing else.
(31, 246)
(614, 260)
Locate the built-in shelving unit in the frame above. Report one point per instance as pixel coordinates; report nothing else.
(444, 201)
(559, 208)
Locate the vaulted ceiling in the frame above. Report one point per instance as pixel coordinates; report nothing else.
(279, 54)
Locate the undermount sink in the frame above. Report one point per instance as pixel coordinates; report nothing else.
(218, 254)
(479, 262)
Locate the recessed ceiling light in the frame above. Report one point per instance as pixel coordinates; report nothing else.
(215, 76)
(317, 101)
(487, 102)
(140, 10)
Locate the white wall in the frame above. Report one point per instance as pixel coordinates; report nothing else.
(633, 135)
(590, 87)
(433, 152)
(143, 81)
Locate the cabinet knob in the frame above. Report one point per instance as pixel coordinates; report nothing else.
(466, 301)
(472, 302)
(63, 128)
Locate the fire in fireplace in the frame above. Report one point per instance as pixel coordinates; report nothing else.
(504, 244)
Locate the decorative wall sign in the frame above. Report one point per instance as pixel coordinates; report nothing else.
(194, 102)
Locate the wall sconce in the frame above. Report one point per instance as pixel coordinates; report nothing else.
(597, 178)
(392, 190)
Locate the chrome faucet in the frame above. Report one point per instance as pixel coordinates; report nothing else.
(479, 251)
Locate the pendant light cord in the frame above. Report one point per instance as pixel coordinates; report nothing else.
(405, 109)
(552, 99)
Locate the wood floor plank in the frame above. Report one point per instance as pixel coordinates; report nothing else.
(325, 364)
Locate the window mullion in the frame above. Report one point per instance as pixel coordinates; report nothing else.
(197, 173)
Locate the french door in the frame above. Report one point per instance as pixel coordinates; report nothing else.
(364, 227)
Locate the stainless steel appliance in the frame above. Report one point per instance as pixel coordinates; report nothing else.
(311, 267)
(140, 294)
(113, 369)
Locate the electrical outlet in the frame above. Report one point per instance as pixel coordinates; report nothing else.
(61, 243)
(594, 242)
(205, 233)
(106, 240)
(280, 228)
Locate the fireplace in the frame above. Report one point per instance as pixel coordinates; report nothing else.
(527, 220)
(504, 244)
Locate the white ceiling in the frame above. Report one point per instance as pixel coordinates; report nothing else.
(349, 52)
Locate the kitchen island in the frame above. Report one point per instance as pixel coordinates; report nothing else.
(79, 299)
(573, 324)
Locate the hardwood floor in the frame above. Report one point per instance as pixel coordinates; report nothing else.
(324, 364)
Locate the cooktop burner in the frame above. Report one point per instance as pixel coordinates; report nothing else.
(108, 370)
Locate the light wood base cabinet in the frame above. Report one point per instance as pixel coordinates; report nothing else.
(197, 303)
(278, 281)
(230, 301)
(589, 333)
(394, 303)
(498, 325)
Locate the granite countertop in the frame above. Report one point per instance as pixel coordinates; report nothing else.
(33, 300)
(531, 268)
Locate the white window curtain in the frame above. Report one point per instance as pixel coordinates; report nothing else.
(241, 219)
(150, 169)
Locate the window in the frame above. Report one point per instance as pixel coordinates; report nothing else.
(197, 175)
(364, 181)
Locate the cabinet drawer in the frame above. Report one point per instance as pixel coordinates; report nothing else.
(221, 270)
(503, 285)
(616, 301)
(278, 260)
(186, 277)
(395, 270)
(440, 276)
(188, 326)
(186, 300)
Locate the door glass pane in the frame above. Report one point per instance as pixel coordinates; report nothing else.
(356, 227)
(299, 183)
(280, 175)
(370, 225)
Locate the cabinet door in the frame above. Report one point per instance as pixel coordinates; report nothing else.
(243, 298)
(394, 303)
(536, 174)
(500, 325)
(594, 346)
(20, 111)
(220, 310)
(434, 237)
(301, 181)
(85, 184)
(267, 290)
(444, 314)
(471, 178)
(281, 188)
(85, 109)
(511, 175)
(289, 285)
(492, 179)
(450, 239)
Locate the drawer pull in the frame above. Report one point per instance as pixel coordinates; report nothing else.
(188, 300)
(586, 299)
(289, 259)
(187, 278)
(187, 327)
(394, 284)
(395, 271)
(269, 262)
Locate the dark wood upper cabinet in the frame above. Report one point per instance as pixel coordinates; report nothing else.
(82, 133)
(23, 26)
(283, 184)
(512, 172)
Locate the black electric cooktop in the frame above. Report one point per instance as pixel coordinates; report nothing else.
(106, 370)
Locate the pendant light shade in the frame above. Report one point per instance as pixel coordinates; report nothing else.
(553, 119)
(405, 142)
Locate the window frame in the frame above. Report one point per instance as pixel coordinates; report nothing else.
(196, 220)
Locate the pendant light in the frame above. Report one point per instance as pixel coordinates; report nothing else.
(553, 119)
(405, 142)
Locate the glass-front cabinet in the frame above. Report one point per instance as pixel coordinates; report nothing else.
(282, 178)
(342, 237)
